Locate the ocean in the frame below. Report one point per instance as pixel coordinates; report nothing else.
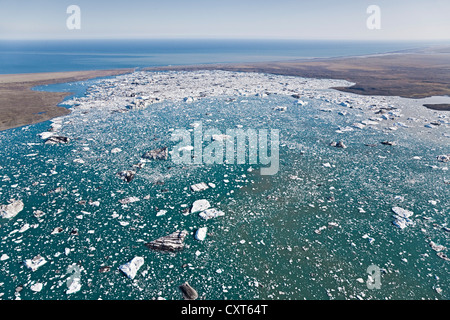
(54, 55)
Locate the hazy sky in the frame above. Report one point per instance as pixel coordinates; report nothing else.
(283, 19)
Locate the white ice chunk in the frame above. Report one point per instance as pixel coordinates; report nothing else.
(201, 233)
(8, 211)
(200, 205)
(211, 213)
(131, 268)
(35, 263)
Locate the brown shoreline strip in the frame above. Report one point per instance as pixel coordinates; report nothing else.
(20, 106)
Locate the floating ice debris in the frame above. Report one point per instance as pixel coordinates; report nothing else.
(157, 154)
(200, 205)
(161, 213)
(35, 263)
(443, 158)
(38, 213)
(129, 200)
(172, 242)
(301, 102)
(37, 287)
(370, 122)
(339, 144)
(74, 281)
(57, 139)
(57, 190)
(189, 99)
(280, 108)
(371, 240)
(94, 203)
(116, 150)
(127, 175)
(104, 269)
(443, 256)
(4, 257)
(437, 247)
(24, 228)
(8, 211)
(78, 160)
(131, 268)
(211, 213)
(200, 234)
(141, 103)
(326, 165)
(199, 186)
(45, 135)
(359, 125)
(401, 124)
(188, 292)
(320, 229)
(57, 230)
(402, 217)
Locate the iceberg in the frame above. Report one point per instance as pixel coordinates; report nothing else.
(201, 233)
(8, 211)
(402, 217)
(199, 186)
(35, 263)
(211, 213)
(131, 268)
(200, 205)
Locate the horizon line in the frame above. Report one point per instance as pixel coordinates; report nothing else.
(227, 38)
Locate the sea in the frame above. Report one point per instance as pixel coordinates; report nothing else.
(58, 55)
(312, 231)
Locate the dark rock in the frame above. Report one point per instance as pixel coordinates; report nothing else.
(188, 292)
(172, 242)
(388, 143)
(57, 139)
(104, 269)
(339, 144)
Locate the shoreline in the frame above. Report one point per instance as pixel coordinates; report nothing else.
(416, 74)
(21, 106)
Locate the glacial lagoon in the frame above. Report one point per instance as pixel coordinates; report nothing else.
(308, 232)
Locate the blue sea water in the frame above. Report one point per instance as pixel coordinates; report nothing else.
(59, 55)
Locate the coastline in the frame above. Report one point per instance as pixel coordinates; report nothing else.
(416, 74)
(20, 106)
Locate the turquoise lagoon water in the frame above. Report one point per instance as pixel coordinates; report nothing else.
(269, 244)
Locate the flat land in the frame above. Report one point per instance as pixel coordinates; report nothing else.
(419, 74)
(19, 105)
